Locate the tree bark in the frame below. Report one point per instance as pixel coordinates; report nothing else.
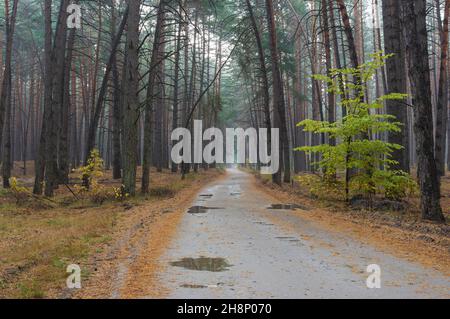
(57, 78)
(93, 126)
(359, 31)
(448, 116)
(6, 155)
(278, 96)
(300, 105)
(327, 48)
(337, 57)
(396, 82)
(116, 147)
(63, 154)
(415, 32)
(41, 156)
(186, 166)
(442, 98)
(154, 63)
(264, 76)
(349, 34)
(75, 149)
(175, 116)
(130, 99)
(6, 90)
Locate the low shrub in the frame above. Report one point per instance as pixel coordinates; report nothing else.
(91, 175)
(163, 192)
(322, 187)
(20, 193)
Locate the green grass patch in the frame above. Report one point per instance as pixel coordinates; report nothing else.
(30, 290)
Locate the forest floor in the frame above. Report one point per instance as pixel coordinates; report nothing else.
(39, 238)
(124, 249)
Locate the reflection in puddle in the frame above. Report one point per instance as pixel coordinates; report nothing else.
(202, 264)
(264, 223)
(286, 238)
(201, 209)
(235, 190)
(193, 286)
(290, 240)
(287, 207)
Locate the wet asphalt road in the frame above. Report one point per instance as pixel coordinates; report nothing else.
(239, 249)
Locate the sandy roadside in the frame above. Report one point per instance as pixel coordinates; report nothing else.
(431, 250)
(128, 267)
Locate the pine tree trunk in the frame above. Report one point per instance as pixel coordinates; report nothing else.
(300, 104)
(278, 96)
(263, 73)
(175, 116)
(337, 57)
(41, 156)
(442, 98)
(63, 154)
(117, 154)
(130, 98)
(6, 154)
(192, 83)
(327, 47)
(415, 31)
(160, 109)
(185, 166)
(396, 82)
(358, 28)
(33, 106)
(316, 99)
(6, 91)
(75, 149)
(349, 34)
(448, 126)
(98, 106)
(149, 109)
(57, 77)
(1, 61)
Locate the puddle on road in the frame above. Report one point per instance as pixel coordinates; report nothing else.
(201, 209)
(264, 223)
(235, 190)
(287, 207)
(202, 264)
(287, 238)
(188, 286)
